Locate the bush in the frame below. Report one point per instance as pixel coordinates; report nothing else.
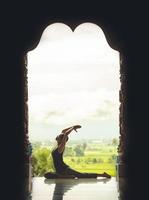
(41, 161)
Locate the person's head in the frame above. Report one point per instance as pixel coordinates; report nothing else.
(60, 137)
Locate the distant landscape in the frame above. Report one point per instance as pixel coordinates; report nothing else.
(83, 155)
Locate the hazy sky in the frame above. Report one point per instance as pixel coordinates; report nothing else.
(73, 79)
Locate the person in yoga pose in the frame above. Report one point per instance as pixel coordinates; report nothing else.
(62, 169)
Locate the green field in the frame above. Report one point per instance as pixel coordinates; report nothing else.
(91, 157)
(95, 161)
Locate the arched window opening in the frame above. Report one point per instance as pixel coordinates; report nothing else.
(73, 78)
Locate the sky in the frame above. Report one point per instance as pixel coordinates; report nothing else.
(73, 78)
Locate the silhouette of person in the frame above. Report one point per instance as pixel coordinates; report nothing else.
(57, 154)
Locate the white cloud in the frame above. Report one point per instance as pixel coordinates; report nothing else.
(81, 105)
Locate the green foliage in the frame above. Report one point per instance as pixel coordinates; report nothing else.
(79, 150)
(41, 161)
(84, 146)
(69, 152)
(115, 142)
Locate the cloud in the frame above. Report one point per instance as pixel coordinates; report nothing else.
(78, 105)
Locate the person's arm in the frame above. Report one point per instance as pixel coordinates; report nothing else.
(66, 132)
(76, 127)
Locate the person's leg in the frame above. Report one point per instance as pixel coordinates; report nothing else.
(104, 175)
(77, 174)
(70, 171)
(93, 175)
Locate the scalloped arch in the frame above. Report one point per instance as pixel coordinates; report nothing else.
(113, 43)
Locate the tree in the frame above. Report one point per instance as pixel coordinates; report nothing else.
(115, 142)
(94, 160)
(79, 150)
(84, 146)
(69, 151)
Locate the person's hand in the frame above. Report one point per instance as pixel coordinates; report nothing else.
(76, 127)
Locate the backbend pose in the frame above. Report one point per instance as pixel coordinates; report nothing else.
(57, 154)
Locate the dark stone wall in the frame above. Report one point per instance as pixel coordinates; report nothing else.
(125, 28)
